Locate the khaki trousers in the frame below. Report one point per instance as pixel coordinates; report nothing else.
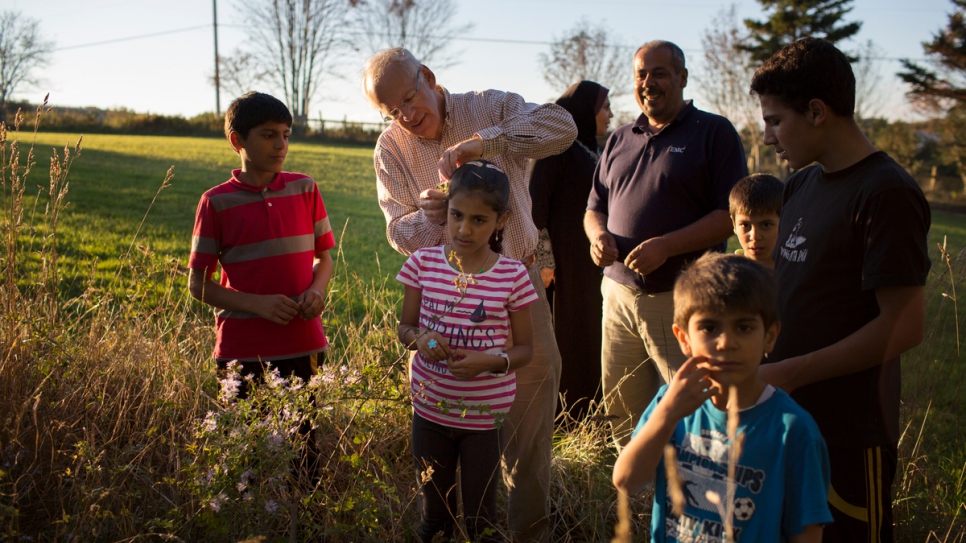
(639, 352)
(527, 433)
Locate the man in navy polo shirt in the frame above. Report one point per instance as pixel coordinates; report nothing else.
(659, 201)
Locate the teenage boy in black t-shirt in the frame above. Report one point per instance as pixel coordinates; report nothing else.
(851, 263)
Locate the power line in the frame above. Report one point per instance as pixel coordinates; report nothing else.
(483, 40)
(131, 38)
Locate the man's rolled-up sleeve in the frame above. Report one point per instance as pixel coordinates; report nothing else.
(407, 227)
(525, 129)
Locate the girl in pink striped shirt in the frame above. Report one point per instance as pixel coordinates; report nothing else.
(463, 301)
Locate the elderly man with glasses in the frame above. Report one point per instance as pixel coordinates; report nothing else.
(432, 133)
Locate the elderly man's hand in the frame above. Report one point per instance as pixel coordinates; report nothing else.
(459, 154)
(433, 204)
(603, 250)
(648, 256)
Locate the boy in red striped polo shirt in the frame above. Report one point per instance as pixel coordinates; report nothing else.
(269, 232)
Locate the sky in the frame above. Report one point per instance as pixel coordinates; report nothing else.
(168, 71)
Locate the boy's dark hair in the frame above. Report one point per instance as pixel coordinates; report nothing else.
(806, 69)
(725, 283)
(757, 194)
(252, 109)
(489, 183)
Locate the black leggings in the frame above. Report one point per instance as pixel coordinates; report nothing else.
(478, 453)
(304, 367)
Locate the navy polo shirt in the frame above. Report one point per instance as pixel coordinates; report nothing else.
(651, 184)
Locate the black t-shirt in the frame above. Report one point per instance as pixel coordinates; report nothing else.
(842, 235)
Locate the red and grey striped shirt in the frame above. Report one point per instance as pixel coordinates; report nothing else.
(478, 320)
(265, 239)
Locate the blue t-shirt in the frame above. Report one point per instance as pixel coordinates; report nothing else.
(782, 474)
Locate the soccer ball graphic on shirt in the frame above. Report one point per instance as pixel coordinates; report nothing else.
(744, 508)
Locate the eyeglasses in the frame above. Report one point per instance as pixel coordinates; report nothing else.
(407, 102)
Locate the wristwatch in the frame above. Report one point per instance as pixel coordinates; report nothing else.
(501, 373)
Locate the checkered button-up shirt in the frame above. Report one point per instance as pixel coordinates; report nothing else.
(512, 131)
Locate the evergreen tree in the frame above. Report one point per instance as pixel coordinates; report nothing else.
(945, 85)
(790, 20)
(943, 89)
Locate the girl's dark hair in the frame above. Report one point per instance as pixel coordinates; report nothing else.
(488, 183)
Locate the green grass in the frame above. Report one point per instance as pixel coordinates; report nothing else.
(113, 183)
(116, 178)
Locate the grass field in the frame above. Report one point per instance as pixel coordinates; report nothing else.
(111, 189)
(113, 184)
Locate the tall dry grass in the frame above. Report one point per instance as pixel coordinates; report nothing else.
(103, 396)
(104, 400)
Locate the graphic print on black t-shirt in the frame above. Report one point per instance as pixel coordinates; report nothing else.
(842, 235)
(790, 250)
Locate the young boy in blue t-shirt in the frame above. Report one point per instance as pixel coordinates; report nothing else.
(726, 320)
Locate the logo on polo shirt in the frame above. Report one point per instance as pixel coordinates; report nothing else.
(677, 149)
(791, 251)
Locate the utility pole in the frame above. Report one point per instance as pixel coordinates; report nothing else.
(214, 8)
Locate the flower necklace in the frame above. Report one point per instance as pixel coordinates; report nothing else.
(459, 261)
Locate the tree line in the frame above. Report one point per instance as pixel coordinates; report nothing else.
(297, 44)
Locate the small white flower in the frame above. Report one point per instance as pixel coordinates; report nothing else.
(271, 506)
(241, 487)
(273, 379)
(229, 388)
(210, 424)
(351, 377)
(216, 502)
(275, 439)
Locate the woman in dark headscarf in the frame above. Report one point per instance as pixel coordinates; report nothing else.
(559, 186)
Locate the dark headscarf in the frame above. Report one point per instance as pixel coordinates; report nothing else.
(583, 100)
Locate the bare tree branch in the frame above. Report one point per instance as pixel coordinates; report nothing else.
(587, 52)
(424, 27)
(725, 81)
(239, 72)
(869, 93)
(296, 42)
(22, 52)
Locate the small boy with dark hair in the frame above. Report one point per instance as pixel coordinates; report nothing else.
(755, 204)
(851, 269)
(725, 320)
(269, 232)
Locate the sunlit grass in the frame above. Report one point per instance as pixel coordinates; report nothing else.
(103, 381)
(111, 188)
